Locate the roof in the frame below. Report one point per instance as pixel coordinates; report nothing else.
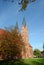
(42, 51)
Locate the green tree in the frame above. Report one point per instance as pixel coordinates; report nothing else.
(37, 53)
(23, 3)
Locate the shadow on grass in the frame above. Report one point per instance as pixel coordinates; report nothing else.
(23, 62)
(12, 62)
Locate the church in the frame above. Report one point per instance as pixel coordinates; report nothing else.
(27, 51)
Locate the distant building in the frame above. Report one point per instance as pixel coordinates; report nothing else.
(42, 52)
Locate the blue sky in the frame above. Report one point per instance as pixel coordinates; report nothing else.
(34, 16)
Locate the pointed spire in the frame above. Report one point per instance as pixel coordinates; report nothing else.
(24, 22)
(16, 26)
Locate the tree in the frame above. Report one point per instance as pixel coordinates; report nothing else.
(37, 53)
(23, 3)
(11, 44)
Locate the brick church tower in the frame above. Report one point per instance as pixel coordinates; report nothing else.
(27, 51)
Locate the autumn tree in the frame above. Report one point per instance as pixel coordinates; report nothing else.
(11, 44)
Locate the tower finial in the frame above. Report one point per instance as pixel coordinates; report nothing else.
(16, 26)
(24, 22)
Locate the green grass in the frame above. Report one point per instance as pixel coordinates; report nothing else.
(34, 61)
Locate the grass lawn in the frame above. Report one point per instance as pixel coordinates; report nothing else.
(34, 61)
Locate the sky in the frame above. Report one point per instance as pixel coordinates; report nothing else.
(34, 16)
